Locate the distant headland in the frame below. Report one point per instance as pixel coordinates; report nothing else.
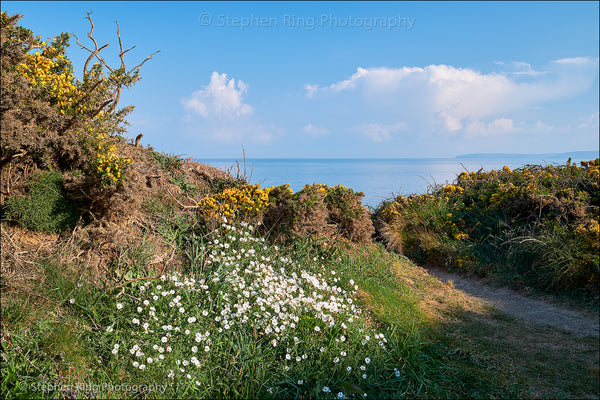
(584, 155)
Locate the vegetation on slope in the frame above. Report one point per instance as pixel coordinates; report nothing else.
(130, 273)
(532, 227)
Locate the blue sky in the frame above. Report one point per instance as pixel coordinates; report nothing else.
(349, 80)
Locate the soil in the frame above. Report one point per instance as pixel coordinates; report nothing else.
(514, 304)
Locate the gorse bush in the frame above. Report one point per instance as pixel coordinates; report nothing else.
(45, 207)
(52, 73)
(51, 119)
(244, 202)
(347, 212)
(108, 165)
(254, 320)
(318, 210)
(534, 226)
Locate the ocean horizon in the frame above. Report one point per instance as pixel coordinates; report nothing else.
(379, 179)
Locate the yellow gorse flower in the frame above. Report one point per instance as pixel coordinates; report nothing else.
(110, 164)
(52, 72)
(247, 200)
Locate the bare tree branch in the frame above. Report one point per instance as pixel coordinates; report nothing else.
(128, 76)
(143, 62)
(91, 33)
(122, 53)
(94, 54)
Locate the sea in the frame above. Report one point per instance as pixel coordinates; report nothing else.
(381, 179)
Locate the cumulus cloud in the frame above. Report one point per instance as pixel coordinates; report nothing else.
(380, 132)
(448, 121)
(217, 112)
(316, 130)
(221, 98)
(450, 100)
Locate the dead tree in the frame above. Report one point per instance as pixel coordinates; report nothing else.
(118, 78)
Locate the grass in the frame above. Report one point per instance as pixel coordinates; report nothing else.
(168, 162)
(46, 339)
(438, 343)
(46, 207)
(481, 352)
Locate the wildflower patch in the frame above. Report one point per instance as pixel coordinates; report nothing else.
(303, 322)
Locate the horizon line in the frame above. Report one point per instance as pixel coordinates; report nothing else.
(553, 154)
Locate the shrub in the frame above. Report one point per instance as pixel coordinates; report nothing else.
(534, 226)
(51, 119)
(244, 202)
(318, 210)
(46, 207)
(348, 214)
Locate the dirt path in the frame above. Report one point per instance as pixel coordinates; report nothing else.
(513, 303)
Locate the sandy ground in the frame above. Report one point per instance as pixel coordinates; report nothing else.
(516, 305)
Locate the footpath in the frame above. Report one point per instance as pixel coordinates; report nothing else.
(517, 305)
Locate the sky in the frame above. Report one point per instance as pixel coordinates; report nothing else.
(348, 79)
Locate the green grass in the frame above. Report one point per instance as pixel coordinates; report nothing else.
(46, 207)
(56, 330)
(49, 337)
(184, 184)
(168, 162)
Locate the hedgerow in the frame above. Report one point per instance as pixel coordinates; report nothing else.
(534, 226)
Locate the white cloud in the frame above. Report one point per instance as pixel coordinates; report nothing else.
(542, 127)
(496, 127)
(196, 106)
(311, 90)
(375, 77)
(217, 112)
(502, 125)
(380, 132)
(221, 98)
(449, 122)
(316, 130)
(523, 68)
(446, 99)
(576, 61)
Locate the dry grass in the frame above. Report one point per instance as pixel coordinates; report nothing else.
(116, 228)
